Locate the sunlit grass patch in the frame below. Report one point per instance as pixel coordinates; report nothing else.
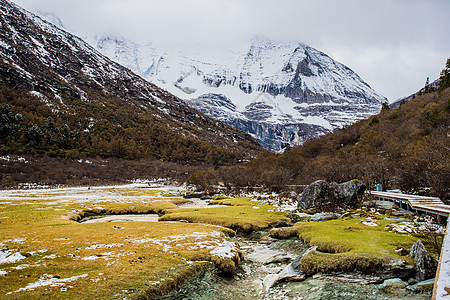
(349, 244)
(138, 192)
(242, 214)
(242, 201)
(57, 258)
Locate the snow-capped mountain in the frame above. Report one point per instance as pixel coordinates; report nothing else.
(78, 82)
(278, 92)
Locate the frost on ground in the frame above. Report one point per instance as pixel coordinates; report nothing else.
(44, 250)
(370, 222)
(49, 280)
(419, 225)
(220, 247)
(9, 257)
(98, 246)
(227, 250)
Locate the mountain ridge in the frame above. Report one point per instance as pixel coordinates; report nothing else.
(305, 93)
(109, 100)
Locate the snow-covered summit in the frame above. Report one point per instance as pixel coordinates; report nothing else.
(278, 92)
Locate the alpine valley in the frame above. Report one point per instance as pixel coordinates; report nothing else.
(280, 93)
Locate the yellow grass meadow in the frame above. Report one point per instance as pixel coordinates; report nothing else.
(45, 253)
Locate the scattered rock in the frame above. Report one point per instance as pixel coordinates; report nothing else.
(396, 268)
(283, 224)
(279, 258)
(393, 286)
(349, 278)
(269, 281)
(426, 285)
(425, 264)
(388, 205)
(291, 272)
(321, 217)
(262, 254)
(401, 213)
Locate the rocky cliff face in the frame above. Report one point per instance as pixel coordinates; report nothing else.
(278, 92)
(71, 77)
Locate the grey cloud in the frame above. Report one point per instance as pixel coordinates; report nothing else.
(393, 44)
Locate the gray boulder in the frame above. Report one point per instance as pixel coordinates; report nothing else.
(322, 217)
(331, 195)
(314, 195)
(426, 285)
(347, 193)
(425, 264)
(393, 286)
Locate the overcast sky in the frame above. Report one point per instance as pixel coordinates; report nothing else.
(394, 45)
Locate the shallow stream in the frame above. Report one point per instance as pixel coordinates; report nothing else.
(248, 282)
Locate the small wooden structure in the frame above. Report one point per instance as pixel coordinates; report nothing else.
(418, 204)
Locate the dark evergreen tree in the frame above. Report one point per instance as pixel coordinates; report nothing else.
(445, 76)
(9, 123)
(427, 86)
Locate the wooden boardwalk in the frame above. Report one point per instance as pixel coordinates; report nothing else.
(428, 205)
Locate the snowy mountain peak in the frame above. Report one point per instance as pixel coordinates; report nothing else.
(278, 92)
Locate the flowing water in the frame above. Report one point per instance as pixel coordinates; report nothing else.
(248, 282)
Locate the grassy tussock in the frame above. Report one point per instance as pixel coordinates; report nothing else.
(179, 276)
(242, 201)
(347, 244)
(317, 262)
(228, 266)
(283, 233)
(242, 215)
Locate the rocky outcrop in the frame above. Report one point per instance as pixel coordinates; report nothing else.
(347, 193)
(324, 195)
(291, 272)
(425, 264)
(314, 195)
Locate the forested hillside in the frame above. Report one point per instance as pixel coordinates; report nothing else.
(111, 128)
(61, 101)
(60, 97)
